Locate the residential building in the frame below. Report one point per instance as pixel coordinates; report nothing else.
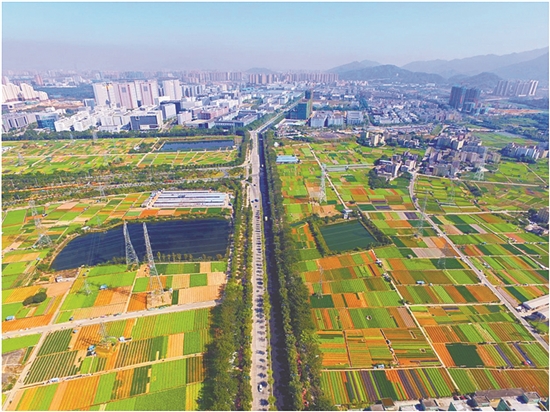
(104, 94)
(126, 95)
(457, 97)
(149, 91)
(172, 89)
(354, 117)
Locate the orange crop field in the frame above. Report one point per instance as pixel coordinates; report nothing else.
(88, 335)
(138, 301)
(181, 281)
(175, 345)
(104, 297)
(125, 378)
(441, 334)
(444, 354)
(215, 278)
(148, 213)
(328, 263)
(482, 293)
(95, 312)
(198, 294)
(397, 264)
(338, 301)
(85, 388)
(355, 300)
(24, 323)
(20, 294)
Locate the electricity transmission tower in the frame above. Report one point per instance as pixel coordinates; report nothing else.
(320, 290)
(420, 229)
(101, 189)
(20, 161)
(323, 189)
(154, 280)
(131, 256)
(43, 238)
(451, 192)
(72, 138)
(86, 288)
(480, 174)
(94, 138)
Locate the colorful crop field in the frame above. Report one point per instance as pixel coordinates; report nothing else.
(354, 388)
(140, 387)
(471, 380)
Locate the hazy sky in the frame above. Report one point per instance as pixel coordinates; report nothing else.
(238, 36)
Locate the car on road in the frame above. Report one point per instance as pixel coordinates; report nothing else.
(260, 388)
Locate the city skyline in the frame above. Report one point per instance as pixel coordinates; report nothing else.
(278, 36)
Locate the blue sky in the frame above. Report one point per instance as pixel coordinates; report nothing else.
(237, 36)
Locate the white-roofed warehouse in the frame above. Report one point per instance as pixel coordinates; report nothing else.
(188, 198)
(537, 303)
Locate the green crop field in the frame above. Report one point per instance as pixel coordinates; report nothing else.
(12, 344)
(346, 236)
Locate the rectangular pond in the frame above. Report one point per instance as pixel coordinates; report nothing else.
(197, 145)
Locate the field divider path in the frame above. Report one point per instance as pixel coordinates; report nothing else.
(58, 311)
(110, 318)
(478, 272)
(422, 330)
(532, 171)
(328, 177)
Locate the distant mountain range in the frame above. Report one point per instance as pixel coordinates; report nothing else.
(478, 71)
(354, 66)
(473, 65)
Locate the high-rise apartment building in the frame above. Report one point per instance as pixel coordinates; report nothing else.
(463, 98)
(149, 91)
(457, 97)
(172, 89)
(518, 88)
(104, 94)
(126, 95)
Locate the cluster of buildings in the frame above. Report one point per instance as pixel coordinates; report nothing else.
(517, 151)
(453, 151)
(484, 400)
(392, 168)
(12, 92)
(336, 118)
(516, 88)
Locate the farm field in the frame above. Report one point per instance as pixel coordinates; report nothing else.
(54, 156)
(443, 197)
(346, 236)
(413, 306)
(168, 349)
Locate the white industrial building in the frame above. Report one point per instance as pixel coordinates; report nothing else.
(537, 303)
(187, 198)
